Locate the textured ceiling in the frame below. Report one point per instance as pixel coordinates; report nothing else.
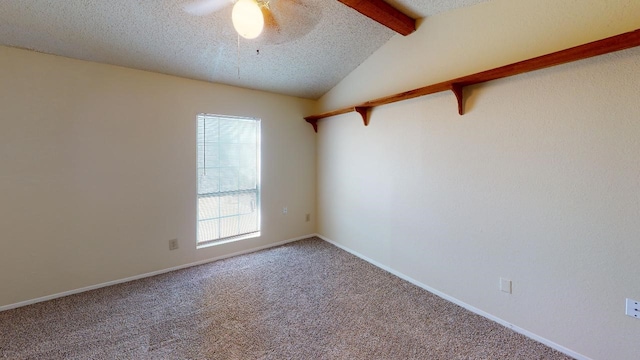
(318, 42)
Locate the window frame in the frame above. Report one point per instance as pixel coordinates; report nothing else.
(257, 190)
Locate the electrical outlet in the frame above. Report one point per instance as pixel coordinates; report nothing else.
(308, 217)
(633, 308)
(505, 285)
(173, 244)
(284, 210)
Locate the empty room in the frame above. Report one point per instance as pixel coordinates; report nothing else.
(320, 179)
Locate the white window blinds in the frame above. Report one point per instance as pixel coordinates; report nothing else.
(228, 177)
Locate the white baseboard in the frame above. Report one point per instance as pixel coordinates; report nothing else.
(142, 276)
(493, 318)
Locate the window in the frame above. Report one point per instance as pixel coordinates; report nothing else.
(228, 178)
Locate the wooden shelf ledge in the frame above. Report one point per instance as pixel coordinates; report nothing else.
(611, 44)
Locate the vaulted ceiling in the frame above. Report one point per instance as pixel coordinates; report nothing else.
(315, 45)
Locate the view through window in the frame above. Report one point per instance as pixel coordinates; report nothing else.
(228, 178)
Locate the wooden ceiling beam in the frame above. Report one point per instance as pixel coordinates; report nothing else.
(385, 14)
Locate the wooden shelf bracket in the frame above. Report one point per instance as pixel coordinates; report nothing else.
(458, 90)
(313, 123)
(364, 112)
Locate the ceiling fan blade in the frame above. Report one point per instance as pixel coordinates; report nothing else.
(270, 22)
(205, 7)
(288, 20)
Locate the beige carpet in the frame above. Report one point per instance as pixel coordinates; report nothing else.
(304, 300)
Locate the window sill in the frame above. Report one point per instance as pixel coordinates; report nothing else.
(228, 240)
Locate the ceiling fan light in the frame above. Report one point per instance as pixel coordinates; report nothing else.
(247, 18)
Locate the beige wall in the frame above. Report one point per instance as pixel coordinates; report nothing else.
(539, 182)
(97, 171)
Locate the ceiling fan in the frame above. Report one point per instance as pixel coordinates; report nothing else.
(278, 20)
